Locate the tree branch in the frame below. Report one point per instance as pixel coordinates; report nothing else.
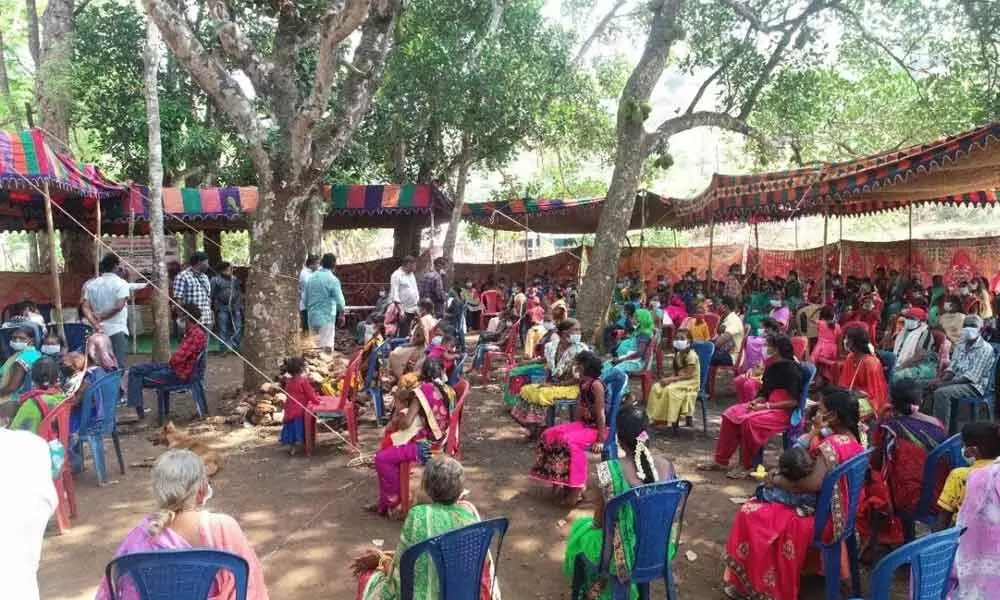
(700, 118)
(748, 14)
(492, 25)
(598, 31)
(239, 49)
(80, 7)
(872, 39)
(726, 62)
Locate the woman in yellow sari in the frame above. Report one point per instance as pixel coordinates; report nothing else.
(674, 396)
(536, 398)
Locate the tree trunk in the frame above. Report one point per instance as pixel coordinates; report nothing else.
(271, 303)
(406, 239)
(189, 245)
(34, 40)
(161, 303)
(451, 237)
(312, 238)
(8, 97)
(213, 246)
(53, 81)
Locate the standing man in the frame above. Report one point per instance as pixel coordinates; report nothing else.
(324, 302)
(403, 292)
(432, 287)
(192, 286)
(312, 262)
(227, 300)
(104, 300)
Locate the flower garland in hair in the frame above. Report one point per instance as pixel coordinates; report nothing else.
(641, 449)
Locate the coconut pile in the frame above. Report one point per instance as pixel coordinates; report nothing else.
(325, 370)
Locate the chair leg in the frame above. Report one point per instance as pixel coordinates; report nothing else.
(853, 564)
(118, 451)
(162, 406)
(310, 433)
(70, 486)
(831, 571)
(62, 509)
(352, 422)
(200, 402)
(97, 451)
(404, 487)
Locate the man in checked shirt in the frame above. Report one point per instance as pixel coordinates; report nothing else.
(192, 286)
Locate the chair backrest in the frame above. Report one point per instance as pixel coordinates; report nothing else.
(76, 336)
(459, 557)
(371, 373)
(705, 351)
(854, 472)
(490, 300)
(510, 344)
(808, 374)
(55, 423)
(713, 322)
(930, 559)
(456, 373)
(455, 423)
(352, 372)
(199, 367)
(105, 393)
(948, 452)
(615, 383)
(800, 346)
(176, 574)
(656, 507)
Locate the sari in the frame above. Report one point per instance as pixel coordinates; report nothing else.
(35, 404)
(904, 442)
(668, 403)
(586, 538)
(424, 521)
(977, 562)
(639, 342)
(760, 305)
(677, 310)
(561, 458)
(825, 352)
(768, 541)
(25, 359)
(217, 531)
(865, 375)
(906, 346)
(535, 399)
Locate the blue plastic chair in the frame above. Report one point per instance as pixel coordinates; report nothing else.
(705, 351)
(657, 507)
(795, 427)
(176, 574)
(105, 393)
(459, 557)
(617, 385)
(373, 387)
(456, 373)
(195, 385)
(930, 559)
(76, 336)
(948, 452)
(974, 402)
(855, 472)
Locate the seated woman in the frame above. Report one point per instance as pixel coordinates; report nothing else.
(903, 438)
(746, 427)
(976, 575)
(532, 367)
(916, 356)
(181, 490)
(536, 398)
(15, 377)
(676, 310)
(378, 572)
(408, 357)
(615, 477)
(495, 337)
(862, 372)
(748, 382)
(779, 310)
(620, 324)
(697, 327)
(768, 542)
(428, 322)
(826, 351)
(561, 459)
(418, 426)
(633, 352)
(39, 400)
(674, 396)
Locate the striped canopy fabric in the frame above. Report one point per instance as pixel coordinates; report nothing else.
(562, 215)
(28, 163)
(960, 169)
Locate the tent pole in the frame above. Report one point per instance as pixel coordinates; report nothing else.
(131, 257)
(909, 245)
(525, 252)
(494, 251)
(840, 248)
(796, 225)
(711, 248)
(823, 269)
(642, 242)
(675, 237)
(97, 247)
(54, 263)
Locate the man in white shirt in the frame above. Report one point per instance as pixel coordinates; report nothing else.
(312, 262)
(104, 300)
(403, 292)
(731, 334)
(27, 503)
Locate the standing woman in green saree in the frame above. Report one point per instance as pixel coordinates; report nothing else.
(615, 477)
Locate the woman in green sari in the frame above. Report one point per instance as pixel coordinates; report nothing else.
(379, 572)
(15, 375)
(759, 309)
(615, 477)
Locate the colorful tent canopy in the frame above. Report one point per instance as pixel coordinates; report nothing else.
(561, 215)
(961, 169)
(348, 206)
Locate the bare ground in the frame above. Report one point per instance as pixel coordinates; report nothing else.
(305, 516)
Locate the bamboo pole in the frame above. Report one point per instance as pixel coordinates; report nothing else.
(826, 224)
(840, 248)
(54, 263)
(494, 251)
(711, 248)
(642, 241)
(796, 225)
(909, 245)
(525, 252)
(97, 246)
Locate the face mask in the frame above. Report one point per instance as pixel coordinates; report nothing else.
(767, 353)
(680, 344)
(654, 304)
(867, 307)
(775, 303)
(381, 294)
(968, 456)
(970, 333)
(67, 371)
(825, 431)
(18, 346)
(948, 306)
(911, 324)
(575, 338)
(51, 349)
(549, 326)
(836, 283)
(847, 346)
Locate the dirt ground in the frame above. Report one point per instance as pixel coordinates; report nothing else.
(305, 516)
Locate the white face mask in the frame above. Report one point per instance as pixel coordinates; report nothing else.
(51, 349)
(911, 324)
(970, 333)
(575, 338)
(948, 306)
(681, 344)
(549, 326)
(17, 346)
(775, 303)
(969, 458)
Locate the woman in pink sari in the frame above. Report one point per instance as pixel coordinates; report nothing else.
(976, 572)
(826, 351)
(747, 384)
(769, 541)
(746, 427)
(181, 488)
(677, 310)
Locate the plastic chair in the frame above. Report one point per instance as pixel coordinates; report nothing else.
(76, 336)
(195, 385)
(941, 460)
(795, 426)
(645, 376)
(373, 386)
(55, 426)
(930, 559)
(713, 322)
(854, 472)
(616, 385)
(459, 557)
(800, 347)
(491, 306)
(344, 406)
(656, 507)
(714, 369)
(975, 402)
(104, 393)
(508, 353)
(705, 351)
(456, 372)
(176, 574)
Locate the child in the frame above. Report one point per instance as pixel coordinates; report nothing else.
(45, 376)
(51, 346)
(300, 397)
(795, 464)
(445, 352)
(981, 445)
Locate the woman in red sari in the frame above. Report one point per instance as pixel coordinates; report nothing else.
(768, 542)
(862, 372)
(748, 426)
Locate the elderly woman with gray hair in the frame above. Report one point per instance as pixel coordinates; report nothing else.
(968, 374)
(378, 572)
(181, 490)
